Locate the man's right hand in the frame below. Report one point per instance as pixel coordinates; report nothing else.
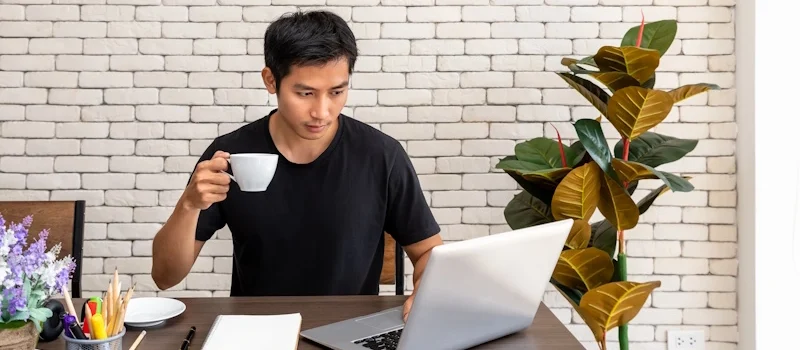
(209, 184)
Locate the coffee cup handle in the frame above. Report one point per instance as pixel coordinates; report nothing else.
(229, 175)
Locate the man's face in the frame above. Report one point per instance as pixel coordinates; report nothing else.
(311, 97)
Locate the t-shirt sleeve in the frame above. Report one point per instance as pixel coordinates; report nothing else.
(409, 218)
(211, 219)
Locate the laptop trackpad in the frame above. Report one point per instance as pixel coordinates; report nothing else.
(383, 321)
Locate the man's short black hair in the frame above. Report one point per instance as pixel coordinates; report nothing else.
(307, 38)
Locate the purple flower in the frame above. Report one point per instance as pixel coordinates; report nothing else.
(36, 255)
(27, 221)
(2, 221)
(16, 300)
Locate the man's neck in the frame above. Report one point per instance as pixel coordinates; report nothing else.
(295, 148)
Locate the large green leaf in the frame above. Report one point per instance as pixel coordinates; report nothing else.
(581, 156)
(594, 141)
(525, 210)
(539, 183)
(542, 153)
(651, 197)
(604, 237)
(657, 35)
(655, 149)
(593, 93)
(572, 295)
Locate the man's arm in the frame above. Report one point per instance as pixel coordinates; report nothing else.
(419, 253)
(176, 245)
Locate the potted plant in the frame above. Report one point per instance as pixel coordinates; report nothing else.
(572, 182)
(29, 276)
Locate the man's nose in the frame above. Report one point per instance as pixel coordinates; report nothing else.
(321, 109)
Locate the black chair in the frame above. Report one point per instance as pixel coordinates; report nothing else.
(63, 219)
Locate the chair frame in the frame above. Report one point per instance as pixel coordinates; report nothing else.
(399, 267)
(77, 246)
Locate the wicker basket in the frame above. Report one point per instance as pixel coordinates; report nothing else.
(110, 343)
(22, 338)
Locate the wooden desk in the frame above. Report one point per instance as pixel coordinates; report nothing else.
(547, 332)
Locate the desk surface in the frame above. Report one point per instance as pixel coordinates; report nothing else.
(547, 332)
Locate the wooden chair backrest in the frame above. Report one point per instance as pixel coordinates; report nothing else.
(64, 221)
(388, 271)
(392, 273)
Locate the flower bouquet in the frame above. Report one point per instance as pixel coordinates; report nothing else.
(29, 276)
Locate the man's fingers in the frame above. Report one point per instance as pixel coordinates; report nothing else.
(217, 189)
(215, 178)
(221, 154)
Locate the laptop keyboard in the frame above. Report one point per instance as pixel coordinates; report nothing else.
(385, 341)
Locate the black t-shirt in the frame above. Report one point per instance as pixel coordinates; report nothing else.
(318, 228)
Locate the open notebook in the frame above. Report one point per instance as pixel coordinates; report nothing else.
(273, 332)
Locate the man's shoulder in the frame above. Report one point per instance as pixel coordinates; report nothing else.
(370, 139)
(244, 136)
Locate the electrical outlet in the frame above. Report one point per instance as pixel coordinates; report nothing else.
(686, 339)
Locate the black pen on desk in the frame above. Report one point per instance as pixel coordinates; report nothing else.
(188, 339)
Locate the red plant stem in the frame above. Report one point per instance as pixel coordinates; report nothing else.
(641, 32)
(560, 147)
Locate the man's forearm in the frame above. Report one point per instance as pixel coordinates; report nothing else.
(174, 247)
(419, 268)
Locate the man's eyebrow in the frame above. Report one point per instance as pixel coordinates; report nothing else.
(302, 86)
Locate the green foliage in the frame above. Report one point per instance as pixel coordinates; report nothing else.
(592, 175)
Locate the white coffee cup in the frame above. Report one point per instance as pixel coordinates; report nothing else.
(253, 171)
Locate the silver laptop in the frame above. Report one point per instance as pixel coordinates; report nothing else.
(472, 292)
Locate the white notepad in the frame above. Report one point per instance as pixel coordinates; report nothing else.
(273, 332)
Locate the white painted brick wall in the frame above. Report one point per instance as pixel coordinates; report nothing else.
(112, 102)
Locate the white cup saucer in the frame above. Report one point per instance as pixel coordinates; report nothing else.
(152, 311)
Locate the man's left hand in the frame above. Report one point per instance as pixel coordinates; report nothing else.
(407, 307)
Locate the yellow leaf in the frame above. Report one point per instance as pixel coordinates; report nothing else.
(637, 62)
(631, 171)
(635, 110)
(579, 235)
(615, 80)
(583, 269)
(577, 195)
(614, 304)
(690, 90)
(617, 206)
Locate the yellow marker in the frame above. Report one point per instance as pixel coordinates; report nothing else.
(99, 327)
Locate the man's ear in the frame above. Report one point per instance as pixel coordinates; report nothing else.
(269, 80)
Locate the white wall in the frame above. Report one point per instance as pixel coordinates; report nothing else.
(768, 264)
(113, 100)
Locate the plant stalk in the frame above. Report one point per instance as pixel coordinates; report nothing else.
(622, 259)
(622, 267)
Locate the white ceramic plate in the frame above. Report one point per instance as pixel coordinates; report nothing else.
(152, 311)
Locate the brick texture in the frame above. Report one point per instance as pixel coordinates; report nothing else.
(113, 103)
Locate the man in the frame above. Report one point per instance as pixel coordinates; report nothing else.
(339, 184)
